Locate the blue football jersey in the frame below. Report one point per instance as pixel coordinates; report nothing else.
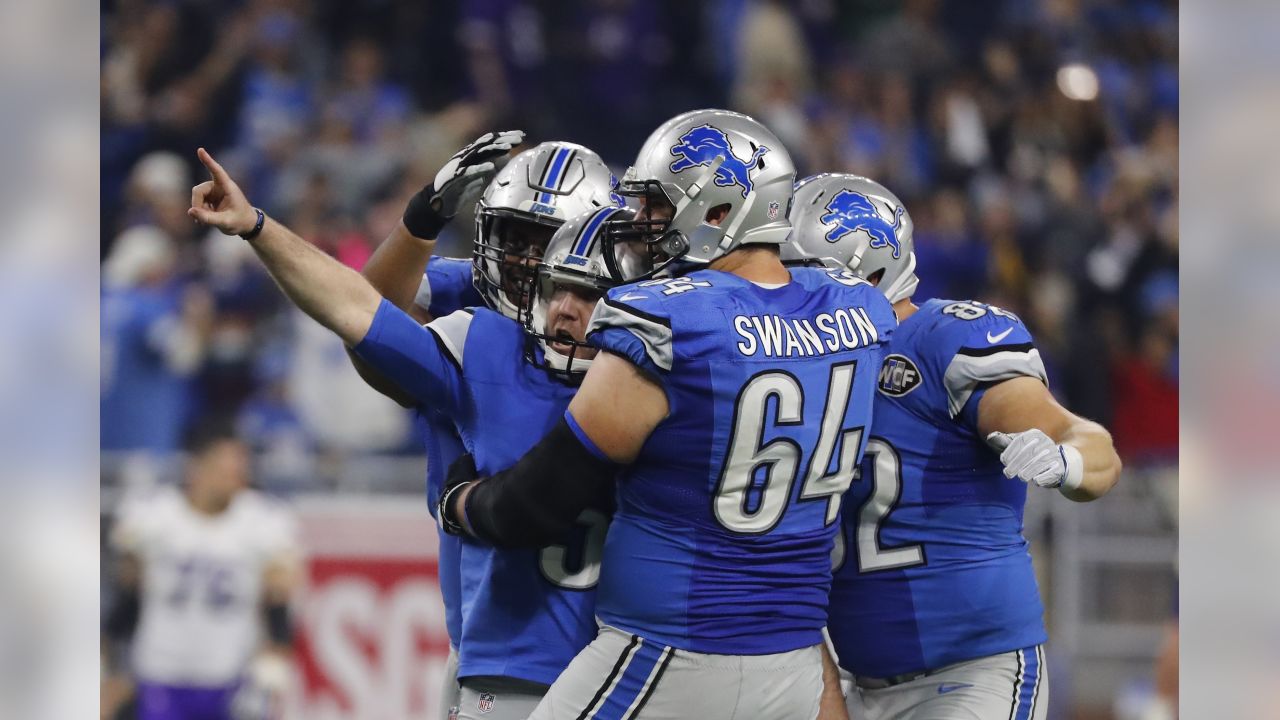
(722, 538)
(525, 613)
(441, 442)
(447, 287)
(932, 568)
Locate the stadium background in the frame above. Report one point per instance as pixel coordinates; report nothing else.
(1034, 142)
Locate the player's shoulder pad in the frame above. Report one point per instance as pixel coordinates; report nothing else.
(451, 332)
(980, 345)
(640, 312)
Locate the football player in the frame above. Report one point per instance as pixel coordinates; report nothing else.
(934, 607)
(733, 397)
(444, 287)
(202, 592)
(526, 612)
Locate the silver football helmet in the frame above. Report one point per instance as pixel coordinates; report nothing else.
(530, 197)
(848, 222)
(696, 162)
(574, 258)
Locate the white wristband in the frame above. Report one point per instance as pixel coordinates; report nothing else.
(1074, 462)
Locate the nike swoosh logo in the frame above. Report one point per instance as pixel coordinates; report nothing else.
(993, 339)
(625, 298)
(945, 688)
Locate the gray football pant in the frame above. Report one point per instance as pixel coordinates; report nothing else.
(449, 687)
(1010, 686)
(621, 676)
(498, 698)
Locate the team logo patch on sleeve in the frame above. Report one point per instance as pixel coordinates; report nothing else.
(898, 376)
(485, 703)
(703, 144)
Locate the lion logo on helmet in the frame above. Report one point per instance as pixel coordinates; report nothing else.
(703, 144)
(852, 211)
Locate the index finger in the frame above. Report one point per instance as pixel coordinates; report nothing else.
(213, 167)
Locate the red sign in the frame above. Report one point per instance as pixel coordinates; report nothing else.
(372, 642)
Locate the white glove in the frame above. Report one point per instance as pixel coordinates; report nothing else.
(262, 689)
(471, 168)
(1034, 457)
(459, 182)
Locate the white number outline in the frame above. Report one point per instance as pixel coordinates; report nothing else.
(886, 493)
(783, 455)
(972, 310)
(551, 559)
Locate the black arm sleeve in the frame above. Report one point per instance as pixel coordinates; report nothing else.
(279, 629)
(535, 502)
(122, 617)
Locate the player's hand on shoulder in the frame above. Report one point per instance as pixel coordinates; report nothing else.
(1033, 457)
(458, 183)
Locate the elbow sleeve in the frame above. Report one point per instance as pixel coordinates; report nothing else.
(536, 501)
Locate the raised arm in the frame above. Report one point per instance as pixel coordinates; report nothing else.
(396, 267)
(425, 362)
(535, 501)
(333, 294)
(1042, 442)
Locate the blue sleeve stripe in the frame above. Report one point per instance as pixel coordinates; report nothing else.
(582, 437)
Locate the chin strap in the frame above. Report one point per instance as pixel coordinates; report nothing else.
(560, 362)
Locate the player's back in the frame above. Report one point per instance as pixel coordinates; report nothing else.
(201, 582)
(932, 568)
(725, 522)
(526, 612)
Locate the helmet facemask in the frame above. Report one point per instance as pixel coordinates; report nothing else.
(559, 351)
(646, 246)
(509, 245)
(533, 194)
(572, 278)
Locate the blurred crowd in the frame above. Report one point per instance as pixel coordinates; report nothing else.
(1034, 142)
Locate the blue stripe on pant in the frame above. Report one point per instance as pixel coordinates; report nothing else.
(1030, 683)
(631, 685)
